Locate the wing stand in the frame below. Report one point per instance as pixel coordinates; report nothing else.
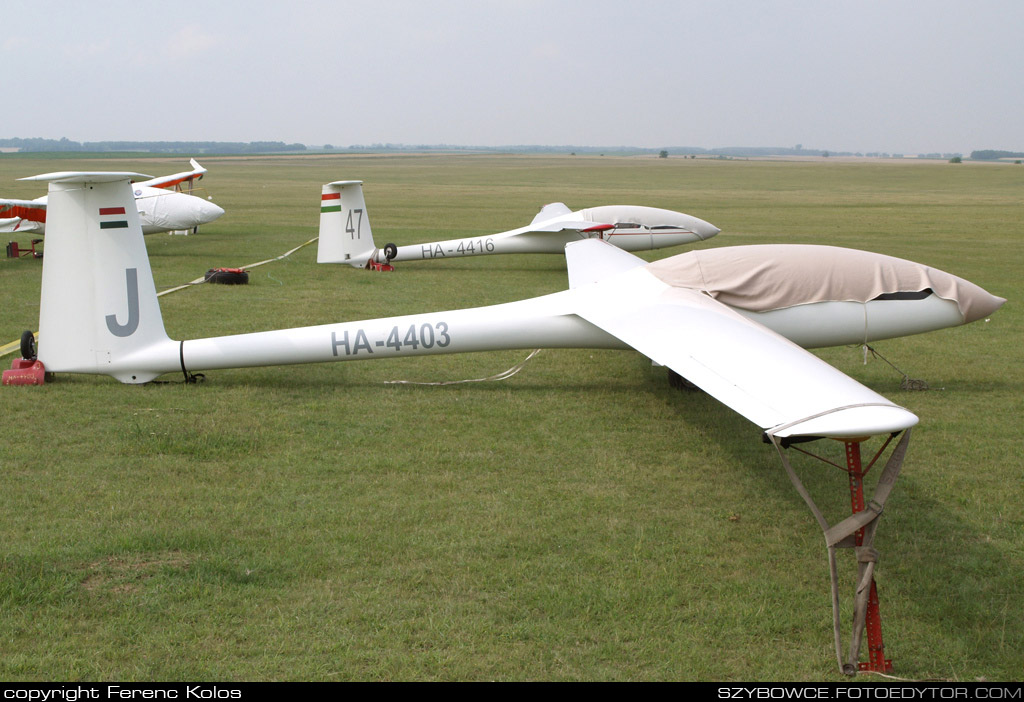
(856, 532)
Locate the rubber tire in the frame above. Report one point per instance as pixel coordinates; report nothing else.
(678, 382)
(390, 251)
(226, 277)
(28, 345)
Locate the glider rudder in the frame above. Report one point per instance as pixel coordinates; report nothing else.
(98, 310)
(345, 235)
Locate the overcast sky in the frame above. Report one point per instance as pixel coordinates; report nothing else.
(894, 76)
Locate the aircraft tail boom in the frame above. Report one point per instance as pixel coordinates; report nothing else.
(544, 322)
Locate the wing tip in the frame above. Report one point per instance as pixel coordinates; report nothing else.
(850, 423)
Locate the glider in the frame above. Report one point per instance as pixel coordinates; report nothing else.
(733, 321)
(345, 235)
(163, 203)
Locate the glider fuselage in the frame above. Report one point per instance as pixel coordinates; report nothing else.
(541, 322)
(162, 210)
(161, 204)
(347, 237)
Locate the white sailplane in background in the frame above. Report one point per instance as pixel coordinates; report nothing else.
(346, 237)
(165, 204)
(730, 320)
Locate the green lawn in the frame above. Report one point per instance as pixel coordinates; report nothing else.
(579, 521)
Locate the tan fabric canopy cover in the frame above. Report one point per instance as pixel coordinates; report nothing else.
(770, 277)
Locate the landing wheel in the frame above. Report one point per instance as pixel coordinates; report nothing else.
(227, 276)
(390, 251)
(28, 346)
(678, 382)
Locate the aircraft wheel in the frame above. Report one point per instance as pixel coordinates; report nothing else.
(227, 276)
(28, 346)
(678, 382)
(390, 251)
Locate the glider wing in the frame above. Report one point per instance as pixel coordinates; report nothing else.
(31, 210)
(175, 179)
(556, 217)
(784, 389)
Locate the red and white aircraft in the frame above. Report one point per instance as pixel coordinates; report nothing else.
(164, 205)
(346, 237)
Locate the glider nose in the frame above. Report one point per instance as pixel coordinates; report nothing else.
(704, 230)
(206, 211)
(980, 304)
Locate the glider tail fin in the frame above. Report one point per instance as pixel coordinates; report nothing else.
(345, 235)
(98, 305)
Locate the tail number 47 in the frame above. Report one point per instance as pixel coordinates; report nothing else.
(354, 229)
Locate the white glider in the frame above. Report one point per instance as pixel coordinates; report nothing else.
(163, 205)
(346, 237)
(734, 347)
(731, 320)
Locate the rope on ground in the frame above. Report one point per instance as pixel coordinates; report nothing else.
(504, 375)
(200, 281)
(16, 345)
(907, 383)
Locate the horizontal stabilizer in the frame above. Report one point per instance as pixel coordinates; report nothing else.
(72, 177)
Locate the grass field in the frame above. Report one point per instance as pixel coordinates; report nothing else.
(579, 521)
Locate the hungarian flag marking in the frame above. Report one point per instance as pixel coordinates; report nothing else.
(113, 223)
(327, 203)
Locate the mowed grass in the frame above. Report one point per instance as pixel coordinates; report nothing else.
(579, 521)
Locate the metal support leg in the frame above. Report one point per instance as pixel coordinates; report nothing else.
(877, 661)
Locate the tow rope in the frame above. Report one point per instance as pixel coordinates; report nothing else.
(16, 345)
(504, 375)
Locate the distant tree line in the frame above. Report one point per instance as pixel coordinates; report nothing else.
(663, 152)
(174, 147)
(264, 147)
(992, 155)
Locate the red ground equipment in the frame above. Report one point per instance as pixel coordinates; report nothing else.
(14, 250)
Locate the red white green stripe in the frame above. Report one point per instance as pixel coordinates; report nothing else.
(328, 204)
(113, 223)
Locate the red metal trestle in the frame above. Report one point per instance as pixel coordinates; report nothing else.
(877, 661)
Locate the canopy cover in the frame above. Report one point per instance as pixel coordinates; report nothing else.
(761, 278)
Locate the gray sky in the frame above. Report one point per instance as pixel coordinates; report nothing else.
(896, 76)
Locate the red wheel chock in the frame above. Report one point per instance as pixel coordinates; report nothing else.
(25, 372)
